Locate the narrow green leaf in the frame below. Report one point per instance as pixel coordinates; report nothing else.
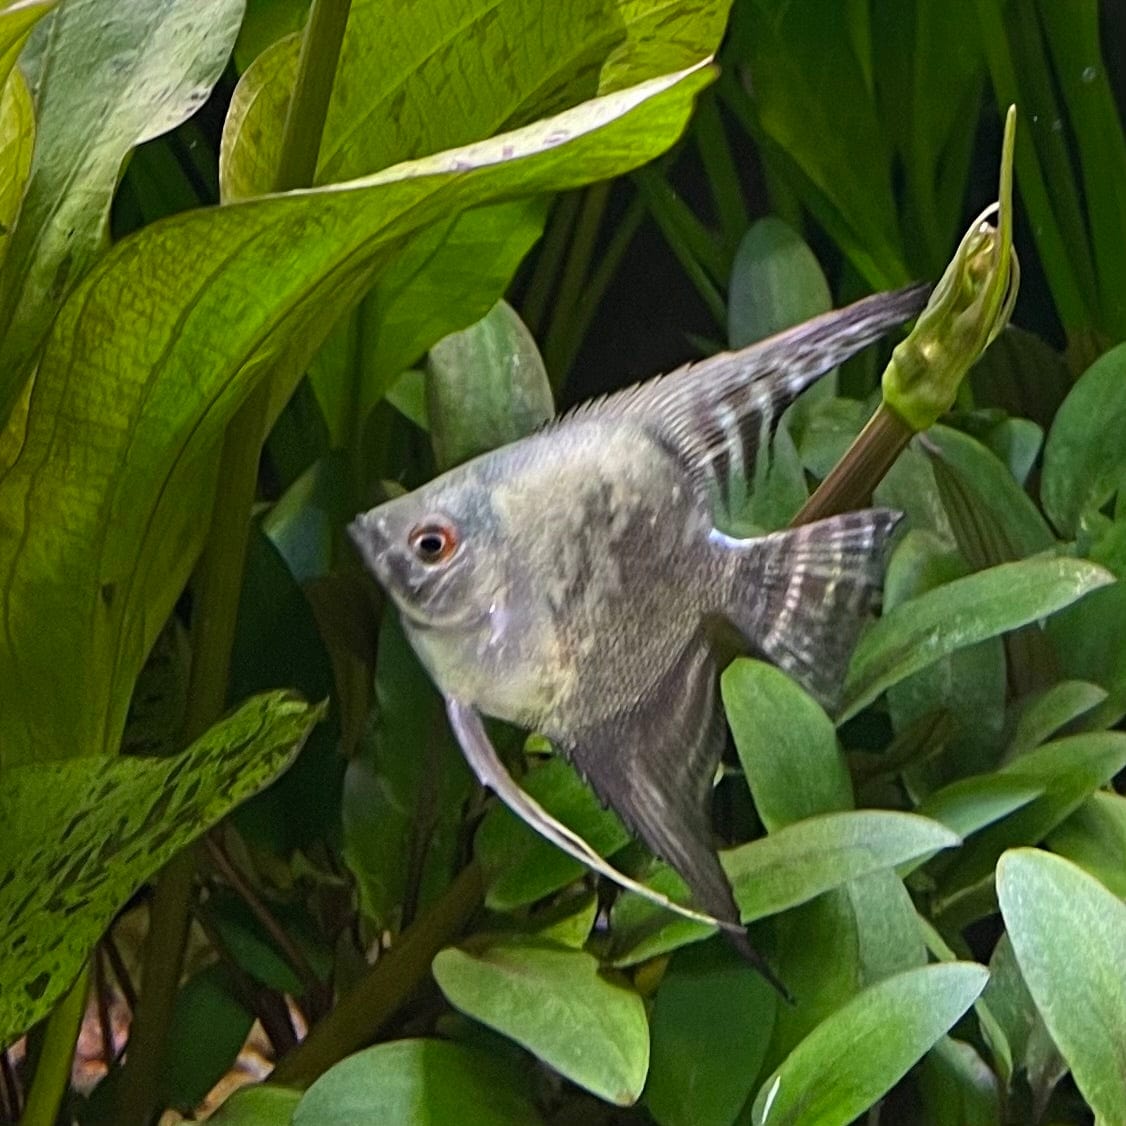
(486, 386)
(109, 84)
(1068, 771)
(827, 1081)
(555, 1002)
(711, 1025)
(80, 836)
(1084, 458)
(428, 1082)
(789, 867)
(521, 866)
(1069, 936)
(1094, 837)
(958, 1086)
(1043, 715)
(970, 804)
(105, 553)
(786, 743)
(961, 613)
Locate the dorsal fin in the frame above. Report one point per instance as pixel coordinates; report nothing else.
(717, 413)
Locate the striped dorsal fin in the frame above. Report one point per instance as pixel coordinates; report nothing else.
(717, 414)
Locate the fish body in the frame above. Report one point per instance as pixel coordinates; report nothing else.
(576, 583)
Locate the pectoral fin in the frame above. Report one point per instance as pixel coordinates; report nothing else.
(654, 766)
(486, 764)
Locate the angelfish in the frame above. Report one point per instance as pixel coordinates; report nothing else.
(575, 583)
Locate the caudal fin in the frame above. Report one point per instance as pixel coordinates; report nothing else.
(801, 597)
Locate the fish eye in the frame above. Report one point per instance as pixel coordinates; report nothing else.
(433, 542)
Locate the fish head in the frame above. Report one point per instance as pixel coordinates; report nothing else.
(429, 550)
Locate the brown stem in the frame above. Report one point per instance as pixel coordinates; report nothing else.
(376, 998)
(249, 894)
(851, 481)
(117, 964)
(9, 1087)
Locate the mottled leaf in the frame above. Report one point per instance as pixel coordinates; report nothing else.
(81, 836)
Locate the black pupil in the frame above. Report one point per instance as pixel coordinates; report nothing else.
(431, 544)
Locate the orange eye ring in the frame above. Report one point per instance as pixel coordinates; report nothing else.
(433, 542)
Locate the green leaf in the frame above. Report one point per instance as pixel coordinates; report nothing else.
(970, 804)
(1022, 375)
(265, 22)
(104, 554)
(958, 1087)
(421, 1082)
(521, 866)
(1043, 715)
(789, 867)
(110, 83)
(993, 518)
(554, 1002)
(918, 633)
(1094, 837)
(1069, 936)
(485, 386)
(826, 1081)
(81, 836)
(1084, 459)
(17, 138)
(710, 1026)
(258, 1106)
(16, 23)
(207, 1031)
(786, 743)
(1068, 771)
(776, 282)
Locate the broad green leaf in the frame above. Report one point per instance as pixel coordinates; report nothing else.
(710, 1026)
(1094, 837)
(16, 22)
(776, 282)
(1068, 770)
(17, 137)
(106, 552)
(114, 75)
(556, 1003)
(788, 867)
(81, 836)
(1084, 459)
(1069, 936)
(485, 386)
(258, 1106)
(1043, 715)
(207, 1031)
(421, 1082)
(918, 633)
(265, 22)
(845, 1064)
(786, 743)
(1022, 375)
(887, 926)
(521, 866)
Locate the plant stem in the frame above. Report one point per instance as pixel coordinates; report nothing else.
(9, 1088)
(219, 584)
(851, 481)
(376, 998)
(52, 1074)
